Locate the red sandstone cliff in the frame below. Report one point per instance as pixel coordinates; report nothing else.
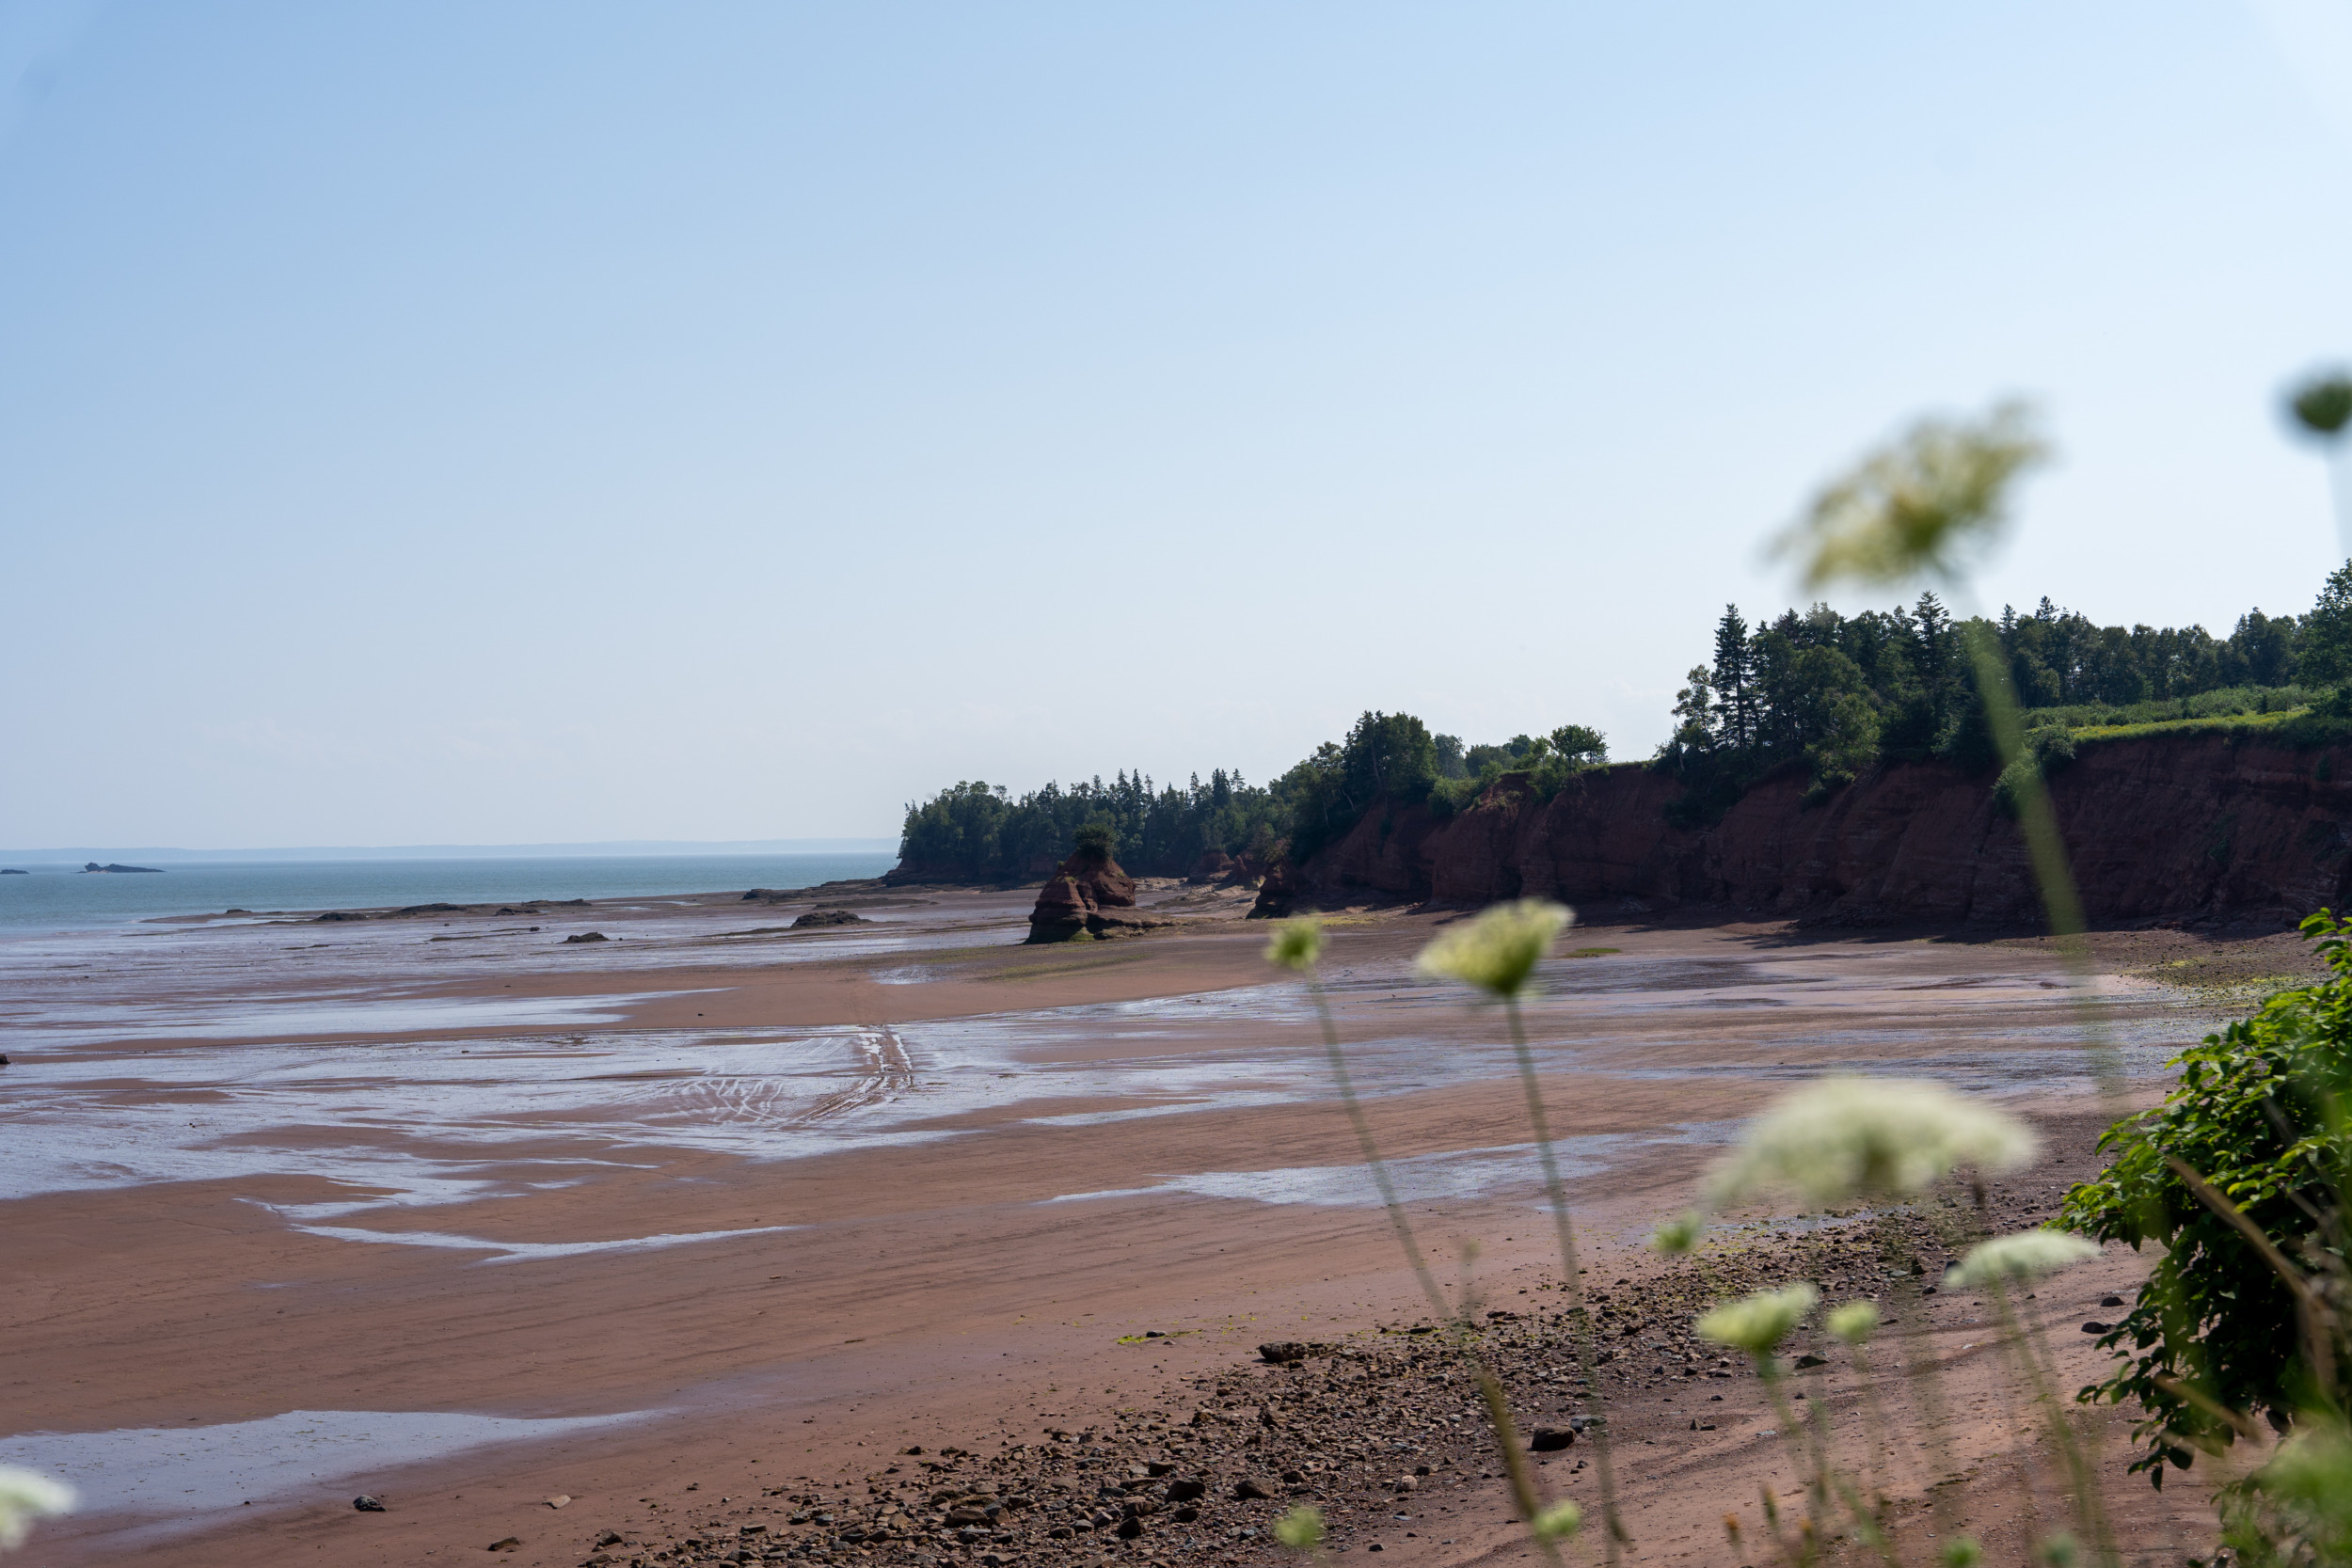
(2167, 827)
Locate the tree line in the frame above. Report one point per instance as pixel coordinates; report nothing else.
(979, 832)
(1837, 693)
(1829, 692)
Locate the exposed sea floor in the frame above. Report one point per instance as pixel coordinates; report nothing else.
(356, 1060)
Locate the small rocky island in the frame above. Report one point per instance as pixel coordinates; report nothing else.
(1089, 896)
(146, 870)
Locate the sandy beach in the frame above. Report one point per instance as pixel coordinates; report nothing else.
(452, 1211)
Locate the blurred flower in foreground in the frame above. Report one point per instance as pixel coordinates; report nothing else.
(1678, 1235)
(1919, 505)
(1757, 1322)
(1962, 1551)
(26, 1496)
(2323, 405)
(2309, 1481)
(1559, 1520)
(1854, 1321)
(1845, 1137)
(1297, 945)
(1498, 951)
(2024, 1256)
(1301, 1529)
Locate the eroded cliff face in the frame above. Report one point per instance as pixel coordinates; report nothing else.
(2157, 829)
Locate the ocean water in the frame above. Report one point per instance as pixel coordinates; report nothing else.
(65, 898)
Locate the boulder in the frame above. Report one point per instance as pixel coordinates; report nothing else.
(1088, 895)
(1277, 893)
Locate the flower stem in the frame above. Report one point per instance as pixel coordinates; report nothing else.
(1490, 1388)
(1614, 1535)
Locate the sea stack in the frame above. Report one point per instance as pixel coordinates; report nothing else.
(1088, 895)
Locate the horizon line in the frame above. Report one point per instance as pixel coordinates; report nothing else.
(625, 846)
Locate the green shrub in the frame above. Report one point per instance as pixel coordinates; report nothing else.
(2259, 1114)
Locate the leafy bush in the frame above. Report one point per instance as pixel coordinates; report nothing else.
(2260, 1114)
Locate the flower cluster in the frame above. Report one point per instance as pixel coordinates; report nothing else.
(25, 1496)
(1498, 952)
(1852, 1137)
(1756, 1324)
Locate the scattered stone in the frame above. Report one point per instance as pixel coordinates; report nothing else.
(366, 1504)
(610, 1538)
(587, 936)
(830, 917)
(1280, 1351)
(1187, 1490)
(506, 1544)
(2096, 1326)
(2111, 1301)
(1807, 1362)
(1249, 1488)
(1551, 1439)
(558, 1500)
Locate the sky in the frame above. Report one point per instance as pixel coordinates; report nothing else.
(449, 423)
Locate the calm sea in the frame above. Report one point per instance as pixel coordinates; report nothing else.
(64, 898)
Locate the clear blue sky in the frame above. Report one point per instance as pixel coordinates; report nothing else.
(492, 424)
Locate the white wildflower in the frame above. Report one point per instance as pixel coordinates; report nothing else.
(1920, 505)
(1678, 1235)
(1561, 1519)
(25, 1496)
(1848, 1137)
(1301, 1529)
(1756, 1324)
(1297, 945)
(1855, 1322)
(2024, 1256)
(1498, 951)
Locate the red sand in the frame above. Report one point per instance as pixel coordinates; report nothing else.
(934, 1295)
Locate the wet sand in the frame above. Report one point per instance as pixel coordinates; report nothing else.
(313, 1209)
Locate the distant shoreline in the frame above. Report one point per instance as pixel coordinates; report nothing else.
(75, 856)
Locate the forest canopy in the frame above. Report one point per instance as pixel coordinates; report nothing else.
(1830, 693)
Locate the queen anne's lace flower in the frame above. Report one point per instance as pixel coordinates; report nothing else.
(1854, 1321)
(1852, 1137)
(1678, 1235)
(1498, 951)
(1301, 1529)
(2028, 1255)
(26, 1496)
(1560, 1520)
(1919, 505)
(1756, 1324)
(1297, 945)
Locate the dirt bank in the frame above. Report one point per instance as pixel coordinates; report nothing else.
(2160, 830)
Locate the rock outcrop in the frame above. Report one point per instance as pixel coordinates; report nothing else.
(2163, 829)
(1087, 895)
